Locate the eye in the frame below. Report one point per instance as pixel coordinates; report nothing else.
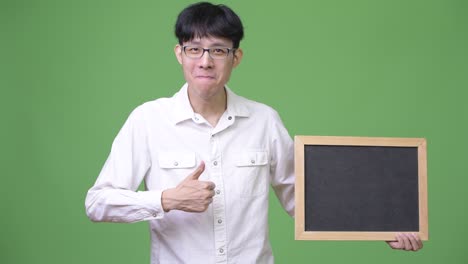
(219, 51)
(193, 50)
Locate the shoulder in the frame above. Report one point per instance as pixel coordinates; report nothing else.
(260, 110)
(266, 116)
(151, 108)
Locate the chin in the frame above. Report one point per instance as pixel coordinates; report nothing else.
(206, 91)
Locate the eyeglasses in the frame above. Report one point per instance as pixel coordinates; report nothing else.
(217, 53)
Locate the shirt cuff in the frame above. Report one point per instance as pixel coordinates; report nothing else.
(152, 203)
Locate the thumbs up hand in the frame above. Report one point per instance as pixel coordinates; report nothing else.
(190, 195)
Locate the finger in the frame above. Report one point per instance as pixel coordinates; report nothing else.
(418, 240)
(205, 205)
(412, 241)
(210, 185)
(207, 185)
(395, 244)
(401, 243)
(197, 172)
(406, 242)
(208, 194)
(421, 244)
(392, 244)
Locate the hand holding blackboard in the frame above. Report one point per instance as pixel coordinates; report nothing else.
(406, 241)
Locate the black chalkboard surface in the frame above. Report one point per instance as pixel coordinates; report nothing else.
(355, 188)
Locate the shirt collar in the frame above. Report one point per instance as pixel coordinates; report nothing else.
(236, 105)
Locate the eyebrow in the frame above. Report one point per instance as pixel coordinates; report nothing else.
(215, 44)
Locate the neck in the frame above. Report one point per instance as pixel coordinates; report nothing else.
(211, 108)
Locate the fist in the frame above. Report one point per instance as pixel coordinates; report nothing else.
(190, 195)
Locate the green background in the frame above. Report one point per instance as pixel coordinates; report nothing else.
(71, 72)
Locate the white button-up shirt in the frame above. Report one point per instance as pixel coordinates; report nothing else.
(162, 142)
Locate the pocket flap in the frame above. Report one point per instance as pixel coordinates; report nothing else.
(177, 160)
(252, 158)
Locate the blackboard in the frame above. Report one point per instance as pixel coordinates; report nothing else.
(360, 188)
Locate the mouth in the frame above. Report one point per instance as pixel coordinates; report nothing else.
(205, 77)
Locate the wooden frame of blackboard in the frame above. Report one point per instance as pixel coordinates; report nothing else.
(302, 141)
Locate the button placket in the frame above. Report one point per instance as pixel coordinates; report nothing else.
(218, 201)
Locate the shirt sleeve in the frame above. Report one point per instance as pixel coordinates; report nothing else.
(282, 164)
(114, 196)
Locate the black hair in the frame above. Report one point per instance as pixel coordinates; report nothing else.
(206, 19)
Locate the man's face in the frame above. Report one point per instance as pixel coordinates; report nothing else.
(206, 76)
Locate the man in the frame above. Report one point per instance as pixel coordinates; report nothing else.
(207, 156)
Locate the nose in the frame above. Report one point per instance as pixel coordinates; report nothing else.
(206, 61)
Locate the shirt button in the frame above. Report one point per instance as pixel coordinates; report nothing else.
(220, 221)
(229, 118)
(221, 250)
(215, 163)
(196, 118)
(176, 163)
(154, 215)
(218, 191)
(252, 161)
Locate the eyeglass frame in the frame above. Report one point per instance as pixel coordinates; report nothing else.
(230, 50)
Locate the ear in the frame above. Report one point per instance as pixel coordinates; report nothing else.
(178, 53)
(238, 57)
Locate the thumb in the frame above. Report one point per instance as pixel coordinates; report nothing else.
(197, 172)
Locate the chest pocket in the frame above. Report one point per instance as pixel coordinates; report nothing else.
(253, 170)
(175, 166)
